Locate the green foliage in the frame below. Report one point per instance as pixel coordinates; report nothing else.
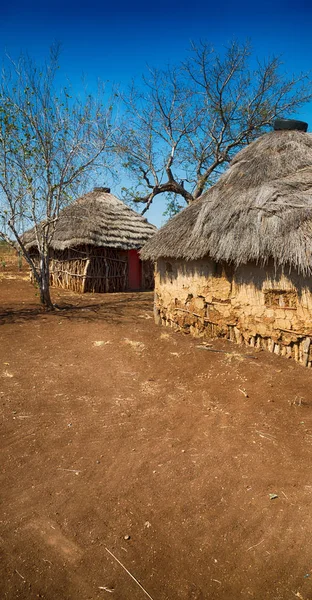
(50, 143)
(175, 204)
(130, 197)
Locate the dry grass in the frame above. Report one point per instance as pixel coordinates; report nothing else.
(261, 208)
(99, 219)
(12, 266)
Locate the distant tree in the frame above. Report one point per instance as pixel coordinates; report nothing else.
(49, 144)
(183, 125)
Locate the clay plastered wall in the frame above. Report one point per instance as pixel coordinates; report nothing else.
(256, 305)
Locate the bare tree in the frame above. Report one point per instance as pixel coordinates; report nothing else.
(184, 124)
(49, 143)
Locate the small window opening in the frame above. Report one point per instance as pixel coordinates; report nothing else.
(169, 271)
(280, 299)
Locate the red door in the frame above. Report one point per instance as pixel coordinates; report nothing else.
(135, 269)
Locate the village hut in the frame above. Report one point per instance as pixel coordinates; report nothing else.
(237, 263)
(95, 246)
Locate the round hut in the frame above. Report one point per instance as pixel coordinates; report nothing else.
(238, 262)
(95, 246)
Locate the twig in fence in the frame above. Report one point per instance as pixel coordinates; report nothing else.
(130, 574)
(188, 311)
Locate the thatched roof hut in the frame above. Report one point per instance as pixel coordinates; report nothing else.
(95, 245)
(260, 208)
(98, 219)
(256, 225)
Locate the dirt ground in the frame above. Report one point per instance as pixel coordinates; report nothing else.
(123, 440)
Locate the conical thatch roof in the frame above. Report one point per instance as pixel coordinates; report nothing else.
(261, 208)
(100, 219)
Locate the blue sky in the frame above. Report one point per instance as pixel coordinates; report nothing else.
(115, 40)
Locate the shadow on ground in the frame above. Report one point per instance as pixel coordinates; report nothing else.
(124, 307)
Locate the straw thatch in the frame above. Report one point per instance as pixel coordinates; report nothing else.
(260, 209)
(97, 219)
(91, 243)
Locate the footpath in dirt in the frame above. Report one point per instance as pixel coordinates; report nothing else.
(123, 440)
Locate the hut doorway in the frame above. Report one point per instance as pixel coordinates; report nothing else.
(134, 270)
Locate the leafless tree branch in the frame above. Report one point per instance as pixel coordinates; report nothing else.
(49, 144)
(187, 122)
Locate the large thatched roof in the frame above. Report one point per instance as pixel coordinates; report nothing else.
(261, 208)
(100, 219)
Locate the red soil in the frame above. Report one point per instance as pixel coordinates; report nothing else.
(122, 436)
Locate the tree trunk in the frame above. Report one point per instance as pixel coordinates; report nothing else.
(45, 283)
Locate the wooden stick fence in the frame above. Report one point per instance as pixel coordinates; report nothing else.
(95, 270)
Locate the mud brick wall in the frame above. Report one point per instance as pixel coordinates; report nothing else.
(258, 306)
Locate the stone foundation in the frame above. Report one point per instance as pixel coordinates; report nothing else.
(261, 307)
